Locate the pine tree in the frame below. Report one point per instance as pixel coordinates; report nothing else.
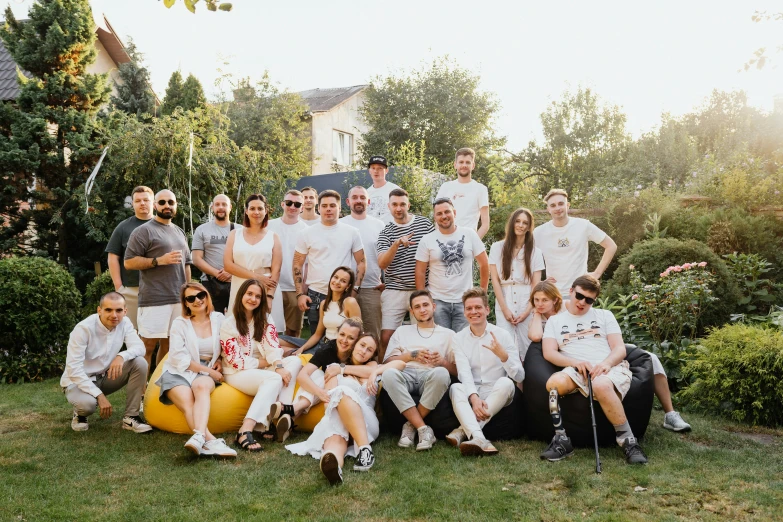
(133, 92)
(192, 94)
(49, 136)
(173, 97)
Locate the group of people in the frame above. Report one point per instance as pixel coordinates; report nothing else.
(356, 279)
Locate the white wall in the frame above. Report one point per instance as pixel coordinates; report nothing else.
(104, 64)
(345, 118)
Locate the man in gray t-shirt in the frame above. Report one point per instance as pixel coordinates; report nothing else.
(159, 249)
(209, 245)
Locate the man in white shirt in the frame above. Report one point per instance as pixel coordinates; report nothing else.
(587, 341)
(309, 200)
(288, 227)
(369, 292)
(378, 193)
(564, 243)
(208, 246)
(95, 367)
(428, 352)
(488, 365)
(470, 198)
(326, 246)
(448, 253)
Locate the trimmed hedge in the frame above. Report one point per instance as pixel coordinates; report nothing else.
(736, 373)
(40, 306)
(653, 256)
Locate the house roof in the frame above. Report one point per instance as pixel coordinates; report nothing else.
(9, 87)
(321, 100)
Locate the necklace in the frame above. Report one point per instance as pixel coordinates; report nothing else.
(418, 332)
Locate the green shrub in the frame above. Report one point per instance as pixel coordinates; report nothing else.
(653, 256)
(736, 372)
(92, 294)
(40, 306)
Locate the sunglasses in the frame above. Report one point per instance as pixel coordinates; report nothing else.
(581, 297)
(192, 298)
(171, 202)
(289, 203)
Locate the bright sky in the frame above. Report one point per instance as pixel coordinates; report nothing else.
(648, 58)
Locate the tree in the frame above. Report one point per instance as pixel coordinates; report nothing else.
(51, 137)
(760, 56)
(173, 97)
(272, 123)
(440, 105)
(133, 91)
(212, 5)
(192, 94)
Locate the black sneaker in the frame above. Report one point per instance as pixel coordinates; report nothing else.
(364, 460)
(633, 452)
(558, 449)
(331, 469)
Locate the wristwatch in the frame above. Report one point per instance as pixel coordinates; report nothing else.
(154, 262)
(342, 368)
(278, 366)
(356, 289)
(414, 354)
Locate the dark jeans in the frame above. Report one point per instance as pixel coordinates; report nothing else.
(312, 312)
(219, 291)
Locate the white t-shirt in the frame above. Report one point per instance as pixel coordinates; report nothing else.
(379, 201)
(327, 248)
(468, 200)
(288, 234)
(565, 249)
(450, 259)
(407, 338)
(583, 337)
(368, 228)
(310, 222)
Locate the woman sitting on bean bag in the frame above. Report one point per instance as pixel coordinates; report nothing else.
(546, 301)
(350, 413)
(193, 368)
(253, 363)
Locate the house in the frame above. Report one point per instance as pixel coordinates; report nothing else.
(336, 126)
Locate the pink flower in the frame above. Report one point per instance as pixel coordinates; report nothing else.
(687, 266)
(634, 297)
(631, 267)
(677, 269)
(703, 264)
(664, 274)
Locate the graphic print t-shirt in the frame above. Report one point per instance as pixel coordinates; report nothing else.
(379, 202)
(450, 259)
(211, 238)
(583, 337)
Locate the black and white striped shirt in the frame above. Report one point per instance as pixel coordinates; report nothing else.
(401, 273)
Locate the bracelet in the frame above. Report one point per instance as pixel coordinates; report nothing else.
(300, 295)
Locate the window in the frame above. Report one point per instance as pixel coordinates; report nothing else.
(342, 148)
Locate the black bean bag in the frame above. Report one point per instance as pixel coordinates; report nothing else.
(509, 423)
(575, 408)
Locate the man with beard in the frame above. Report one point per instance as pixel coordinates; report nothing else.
(310, 197)
(448, 252)
(159, 249)
(126, 282)
(369, 293)
(209, 243)
(470, 198)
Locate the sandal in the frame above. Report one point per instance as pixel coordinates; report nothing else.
(247, 442)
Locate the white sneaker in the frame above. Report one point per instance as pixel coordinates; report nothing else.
(477, 447)
(79, 423)
(195, 442)
(456, 437)
(408, 436)
(218, 448)
(135, 425)
(673, 421)
(426, 438)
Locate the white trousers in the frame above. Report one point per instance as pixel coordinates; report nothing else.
(267, 387)
(498, 396)
(318, 378)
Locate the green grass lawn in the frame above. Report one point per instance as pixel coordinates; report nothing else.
(721, 471)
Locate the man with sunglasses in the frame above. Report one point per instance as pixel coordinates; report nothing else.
(288, 227)
(159, 249)
(209, 244)
(585, 340)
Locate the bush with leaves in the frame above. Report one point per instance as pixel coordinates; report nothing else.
(40, 305)
(92, 294)
(758, 292)
(736, 373)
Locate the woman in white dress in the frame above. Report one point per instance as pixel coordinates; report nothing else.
(253, 251)
(515, 265)
(193, 368)
(350, 413)
(253, 363)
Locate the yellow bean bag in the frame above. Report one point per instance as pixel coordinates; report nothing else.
(229, 407)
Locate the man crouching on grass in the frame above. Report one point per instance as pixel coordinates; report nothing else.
(584, 340)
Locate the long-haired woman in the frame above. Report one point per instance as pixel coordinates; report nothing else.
(515, 265)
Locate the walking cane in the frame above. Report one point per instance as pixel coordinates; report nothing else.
(595, 431)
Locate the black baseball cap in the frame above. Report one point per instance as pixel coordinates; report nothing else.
(379, 160)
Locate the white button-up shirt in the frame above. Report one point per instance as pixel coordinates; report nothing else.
(478, 368)
(91, 349)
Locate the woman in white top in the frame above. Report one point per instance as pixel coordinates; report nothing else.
(515, 265)
(337, 306)
(253, 363)
(350, 413)
(546, 302)
(193, 368)
(253, 251)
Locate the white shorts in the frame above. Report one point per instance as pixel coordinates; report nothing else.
(620, 376)
(155, 321)
(657, 366)
(394, 306)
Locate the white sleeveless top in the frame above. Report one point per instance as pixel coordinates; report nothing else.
(333, 318)
(253, 257)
